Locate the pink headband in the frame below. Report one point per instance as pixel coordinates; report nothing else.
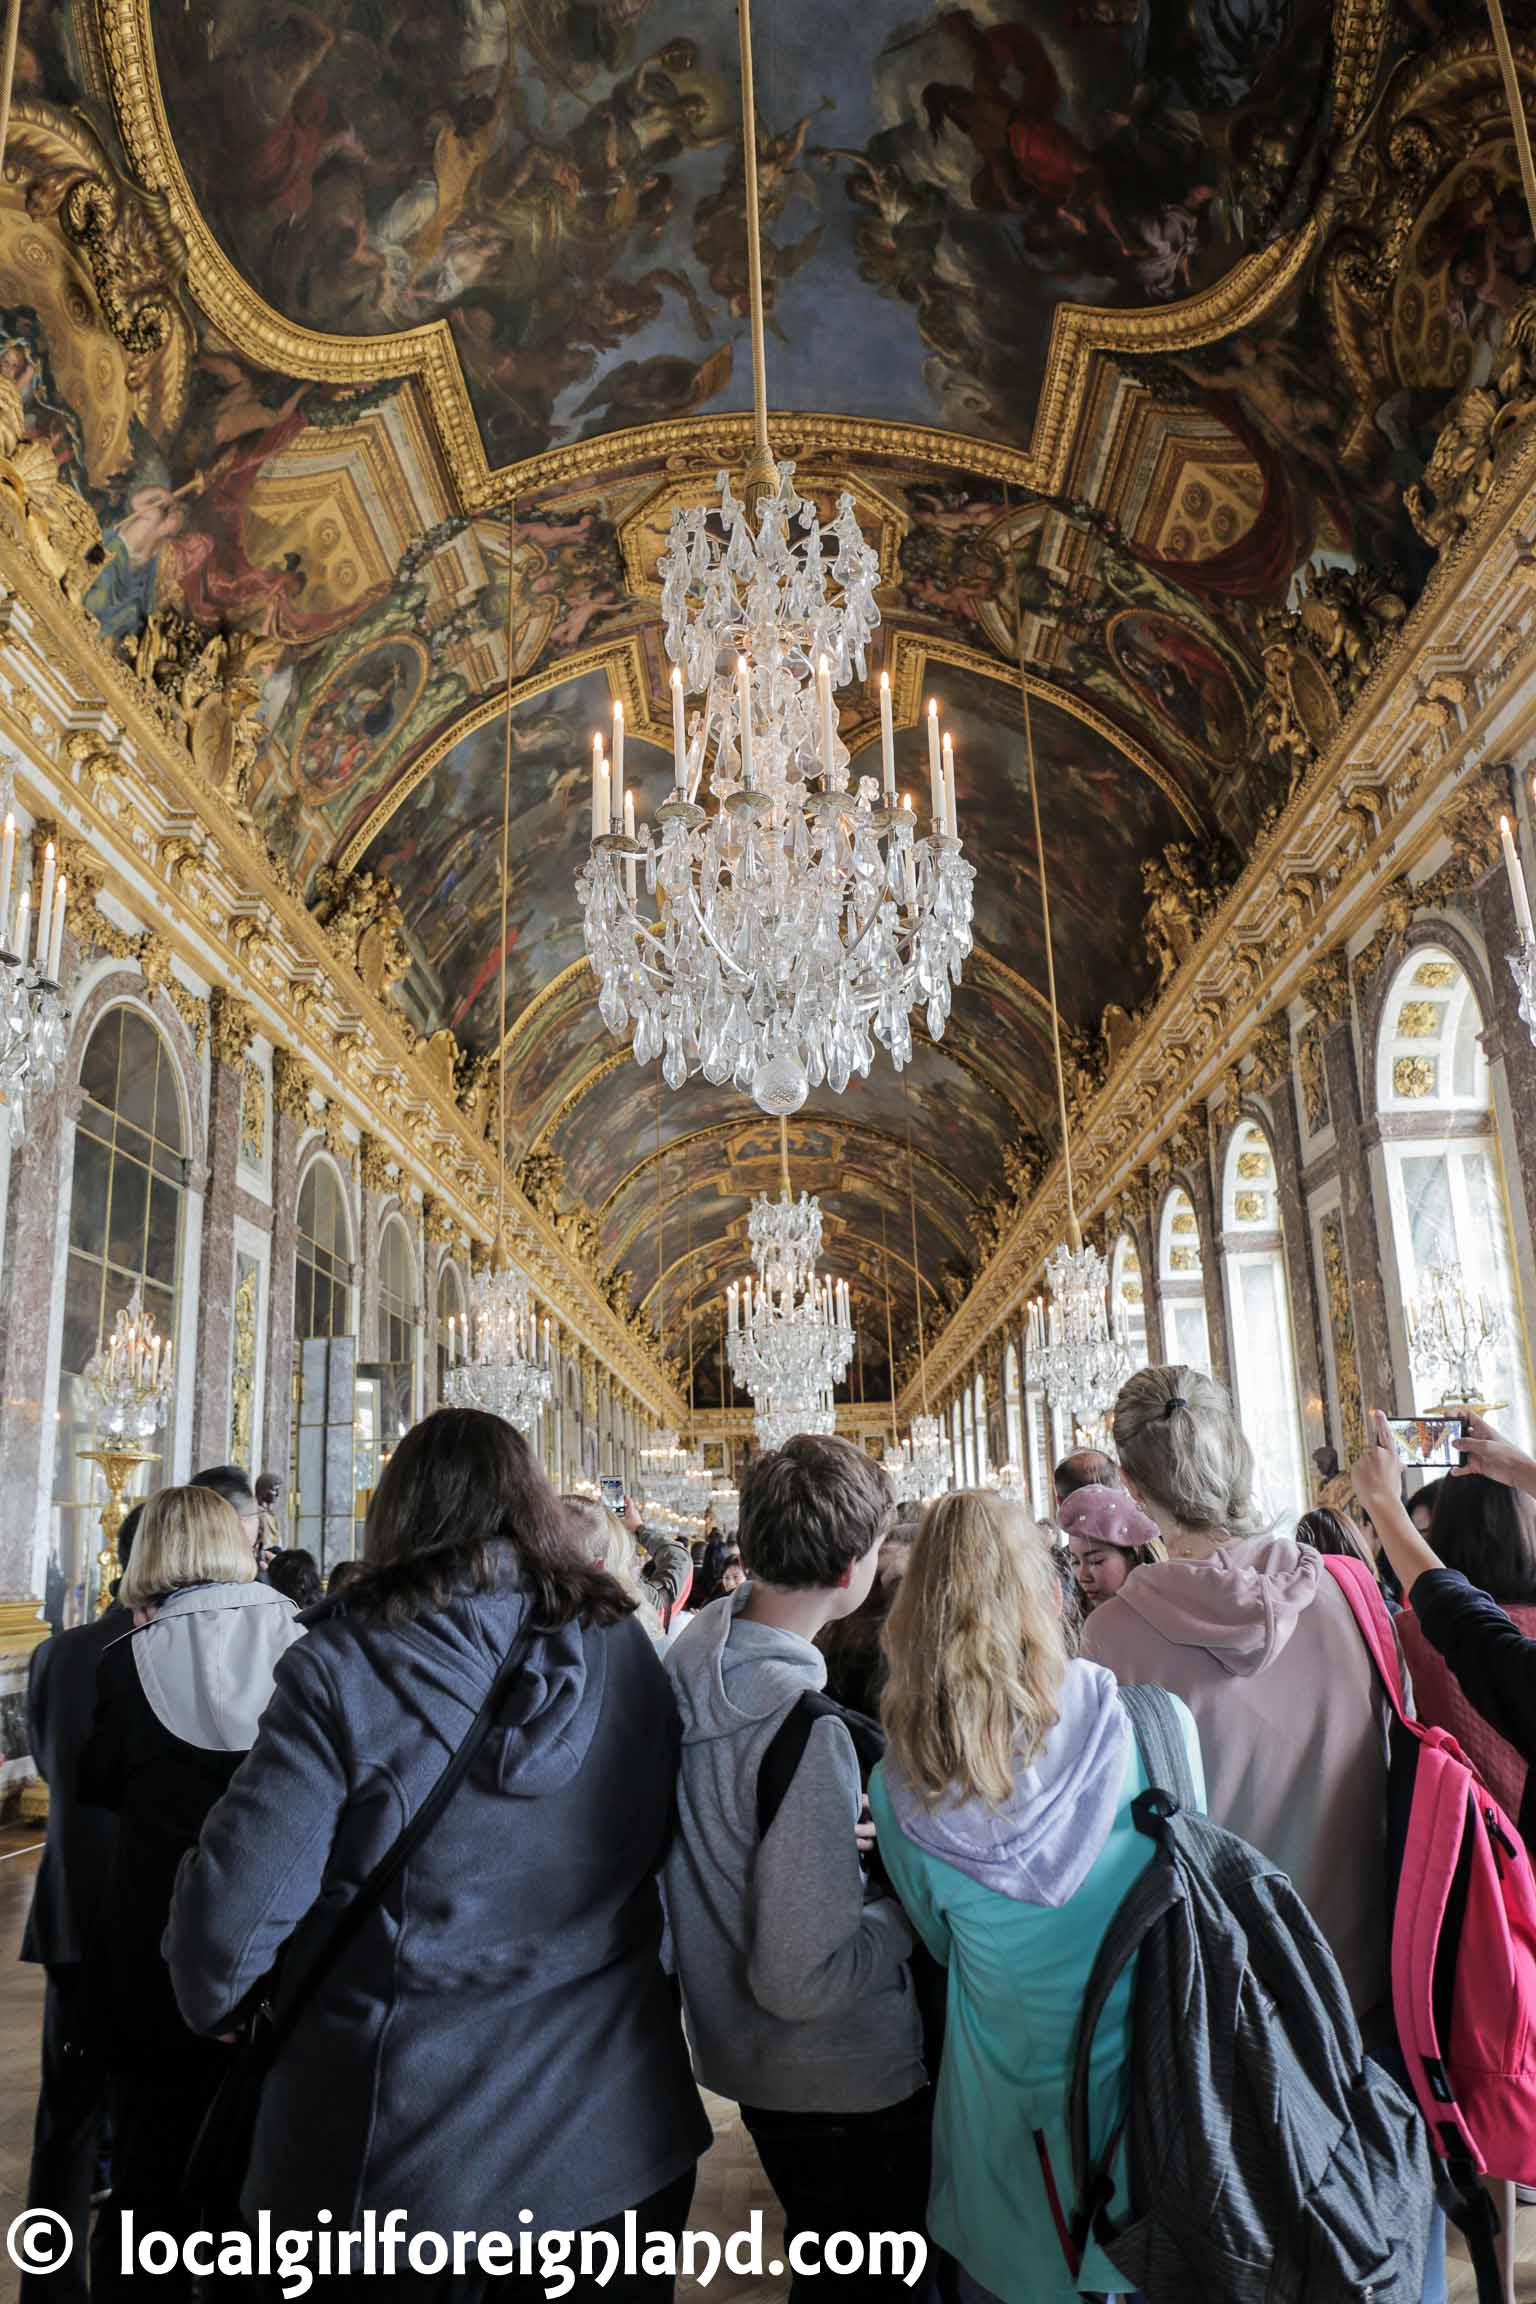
(1107, 1516)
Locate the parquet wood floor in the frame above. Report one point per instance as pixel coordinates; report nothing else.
(731, 2183)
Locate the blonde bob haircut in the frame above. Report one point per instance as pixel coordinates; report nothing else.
(975, 1651)
(186, 1536)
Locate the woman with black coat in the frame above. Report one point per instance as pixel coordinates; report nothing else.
(500, 2036)
(178, 1699)
(1493, 1661)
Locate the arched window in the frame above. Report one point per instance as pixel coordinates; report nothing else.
(322, 1289)
(451, 1305)
(1445, 1190)
(1181, 1283)
(1127, 1299)
(397, 1297)
(125, 1227)
(1013, 1414)
(1039, 1437)
(957, 1441)
(1259, 1311)
(979, 1412)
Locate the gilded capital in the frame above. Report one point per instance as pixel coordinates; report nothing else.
(374, 1161)
(1472, 820)
(1271, 1052)
(291, 1084)
(233, 1027)
(1326, 988)
(435, 1220)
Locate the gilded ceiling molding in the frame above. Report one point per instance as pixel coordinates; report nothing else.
(620, 660)
(857, 1132)
(1474, 619)
(690, 488)
(913, 652)
(428, 353)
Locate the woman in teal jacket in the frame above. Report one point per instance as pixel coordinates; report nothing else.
(1003, 1808)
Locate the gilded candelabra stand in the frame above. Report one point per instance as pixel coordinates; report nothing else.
(118, 1461)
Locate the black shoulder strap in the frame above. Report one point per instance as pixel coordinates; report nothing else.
(394, 1859)
(776, 1769)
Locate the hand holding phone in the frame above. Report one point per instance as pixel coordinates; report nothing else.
(1427, 1443)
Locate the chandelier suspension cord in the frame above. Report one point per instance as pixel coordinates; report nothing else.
(8, 71)
(890, 1348)
(784, 1156)
(917, 1277)
(661, 1234)
(761, 471)
(506, 850)
(1515, 102)
(688, 1268)
(1074, 1234)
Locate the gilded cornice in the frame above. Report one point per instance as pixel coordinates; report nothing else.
(428, 353)
(169, 844)
(1416, 783)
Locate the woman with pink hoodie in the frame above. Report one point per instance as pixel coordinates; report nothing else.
(1258, 1640)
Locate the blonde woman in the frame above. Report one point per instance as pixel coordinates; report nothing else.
(178, 1701)
(1003, 1809)
(1258, 1640)
(602, 1538)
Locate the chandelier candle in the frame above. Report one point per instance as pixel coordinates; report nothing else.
(887, 742)
(616, 772)
(599, 789)
(679, 733)
(7, 868)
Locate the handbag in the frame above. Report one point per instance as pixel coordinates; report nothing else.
(221, 2155)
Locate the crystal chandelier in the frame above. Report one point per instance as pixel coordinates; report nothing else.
(931, 1461)
(672, 1478)
(128, 1381)
(496, 1359)
(725, 1504)
(779, 1421)
(789, 1333)
(1072, 1353)
(787, 922)
(32, 1011)
(1450, 1330)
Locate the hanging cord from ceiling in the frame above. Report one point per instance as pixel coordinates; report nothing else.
(917, 1277)
(1513, 98)
(506, 850)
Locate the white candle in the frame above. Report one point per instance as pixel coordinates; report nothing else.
(887, 741)
(828, 723)
(679, 733)
(546, 1339)
(450, 1339)
(744, 717)
(599, 786)
(949, 787)
(629, 833)
(7, 869)
(44, 908)
(154, 1361)
(1517, 888)
(170, 1348)
(935, 766)
(56, 934)
(616, 768)
(23, 921)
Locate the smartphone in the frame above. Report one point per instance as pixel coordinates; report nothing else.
(613, 1492)
(1427, 1443)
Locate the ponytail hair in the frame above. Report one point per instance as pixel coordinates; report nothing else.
(1178, 1438)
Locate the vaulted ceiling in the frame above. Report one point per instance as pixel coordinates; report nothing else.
(1077, 299)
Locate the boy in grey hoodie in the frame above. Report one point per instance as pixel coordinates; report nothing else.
(795, 1978)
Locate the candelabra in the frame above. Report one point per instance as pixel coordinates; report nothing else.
(116, 1465)
(497, 1360)
(1072, 1352)
(32, 1010)
(1450, 1330)
(128, 1381)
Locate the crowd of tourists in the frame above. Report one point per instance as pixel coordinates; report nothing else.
(1139, 1904)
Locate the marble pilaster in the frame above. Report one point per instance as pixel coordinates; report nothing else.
(1359, 1231)
(1306, 1324)
(288, 1133)
(1507, 1044)
(39, 1202)
(229, 1038)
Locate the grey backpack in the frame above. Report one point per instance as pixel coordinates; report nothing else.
(1269, 2158)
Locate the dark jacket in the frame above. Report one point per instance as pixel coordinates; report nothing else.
(74, 1880)
(1493, 1661)
(177, 1703)
(501, 2036)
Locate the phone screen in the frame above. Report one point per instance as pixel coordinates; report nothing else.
(613, 1492)
(1427, 1443)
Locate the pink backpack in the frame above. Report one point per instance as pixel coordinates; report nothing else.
(1463, 1932)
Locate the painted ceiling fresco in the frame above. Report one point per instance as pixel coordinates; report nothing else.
(1120, 322)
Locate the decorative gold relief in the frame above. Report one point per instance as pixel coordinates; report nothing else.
(233, 1027)
(291, 1085)
(1435, 975)
(242, 1394)
(360, 913)
(1251, 1207)
(1326, 988)
(1419, 1020)
(1183, 1226)
(1183, 1259)
(1341, 1322)
(1413, 1076)
(376, 1164)
(1253, 1166)
(1312, 1072)
(253, 1115)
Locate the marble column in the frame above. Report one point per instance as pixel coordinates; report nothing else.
(1507, 1044)
(1327, 991)
(291, 1119)
(1306, 1320)
(231, 1030)
(39, 1202)
(377, 1186)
